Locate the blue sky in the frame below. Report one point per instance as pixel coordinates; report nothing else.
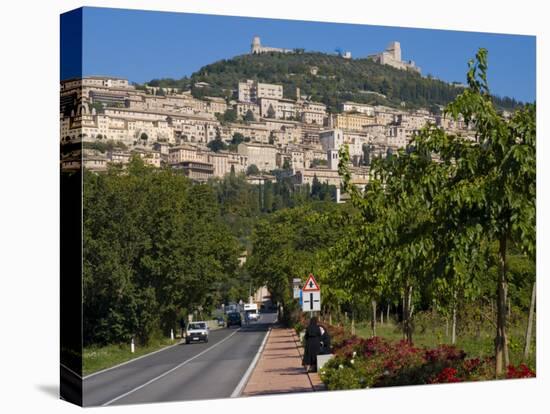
(142, 45)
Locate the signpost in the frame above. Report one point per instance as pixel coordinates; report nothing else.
(296, 284)
(311, 295)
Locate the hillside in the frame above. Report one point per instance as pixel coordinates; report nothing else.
(326, 78)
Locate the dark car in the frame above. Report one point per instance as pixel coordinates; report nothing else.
(234, 318)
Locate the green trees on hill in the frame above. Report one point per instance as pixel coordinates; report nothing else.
(337, 80)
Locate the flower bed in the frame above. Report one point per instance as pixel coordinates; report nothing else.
(376, 362)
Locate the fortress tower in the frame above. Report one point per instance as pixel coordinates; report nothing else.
(395, 49)
(256, 46)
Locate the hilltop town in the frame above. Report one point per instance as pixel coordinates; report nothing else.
(255, 131)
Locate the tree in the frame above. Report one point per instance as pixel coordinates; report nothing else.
(252, 170)
(270, 111)
(230, 115)
(286, 164)
(237, 138)
(144, 137)
(505, 180)
(154, 245)
(447, 191)
(249, 116)
(217, 145)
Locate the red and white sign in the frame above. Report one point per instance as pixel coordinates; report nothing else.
(311, 285)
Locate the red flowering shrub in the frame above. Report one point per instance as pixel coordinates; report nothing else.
(444, 353)
(376, 362)
(446, 376)
(521, 371)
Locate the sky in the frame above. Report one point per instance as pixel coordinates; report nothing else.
(144, 45)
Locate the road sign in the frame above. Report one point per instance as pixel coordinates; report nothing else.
(311, 301)
(296, 292)
(300, 301)
(311, 285)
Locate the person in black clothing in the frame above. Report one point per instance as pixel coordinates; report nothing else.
(325, 340)
(312, 345)
(182, 327)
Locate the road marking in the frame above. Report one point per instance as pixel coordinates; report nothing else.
(133, 359)
(129, 361)
(240, 386)
(169, 371)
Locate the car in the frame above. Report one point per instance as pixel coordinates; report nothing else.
(234, 318)
(196, 331)
(220, 320)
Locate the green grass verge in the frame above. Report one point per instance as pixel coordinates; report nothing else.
(473, 345)
(97, 358)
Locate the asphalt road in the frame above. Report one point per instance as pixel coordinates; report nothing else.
(182, 372)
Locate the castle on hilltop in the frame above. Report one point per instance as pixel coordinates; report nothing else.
(392, 57)
(256, 48)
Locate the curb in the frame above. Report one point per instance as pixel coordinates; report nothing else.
(246, 377)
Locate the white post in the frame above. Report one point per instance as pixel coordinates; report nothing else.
(132, 346)
(172, 334)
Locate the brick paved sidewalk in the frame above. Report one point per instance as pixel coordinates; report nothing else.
(279, 369)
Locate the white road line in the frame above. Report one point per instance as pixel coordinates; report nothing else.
(129, 361)
(242, 383)
(169, 371)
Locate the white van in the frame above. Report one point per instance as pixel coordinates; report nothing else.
(251, 312)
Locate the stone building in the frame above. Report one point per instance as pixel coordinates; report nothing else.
(256, 48)
(350, 121)
(392, 57)
(251, 91)
(263, 156)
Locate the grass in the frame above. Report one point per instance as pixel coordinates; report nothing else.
(474, 345)
(97, 358)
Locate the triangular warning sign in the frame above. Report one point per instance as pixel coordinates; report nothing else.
(311, 285)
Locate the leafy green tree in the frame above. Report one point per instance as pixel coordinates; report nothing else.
(270, 111)
(237, 138)
(249, 116)
(230, 115)
(252, 170)
(458, 195)
(154, 246)
(217, 145)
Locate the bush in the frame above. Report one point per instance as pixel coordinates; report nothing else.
(376, 362)
(522, 371)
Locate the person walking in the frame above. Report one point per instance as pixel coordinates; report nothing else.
(312, 345)
(182, 327)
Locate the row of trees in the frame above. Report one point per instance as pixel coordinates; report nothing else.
(446, 225)
(442, 217)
